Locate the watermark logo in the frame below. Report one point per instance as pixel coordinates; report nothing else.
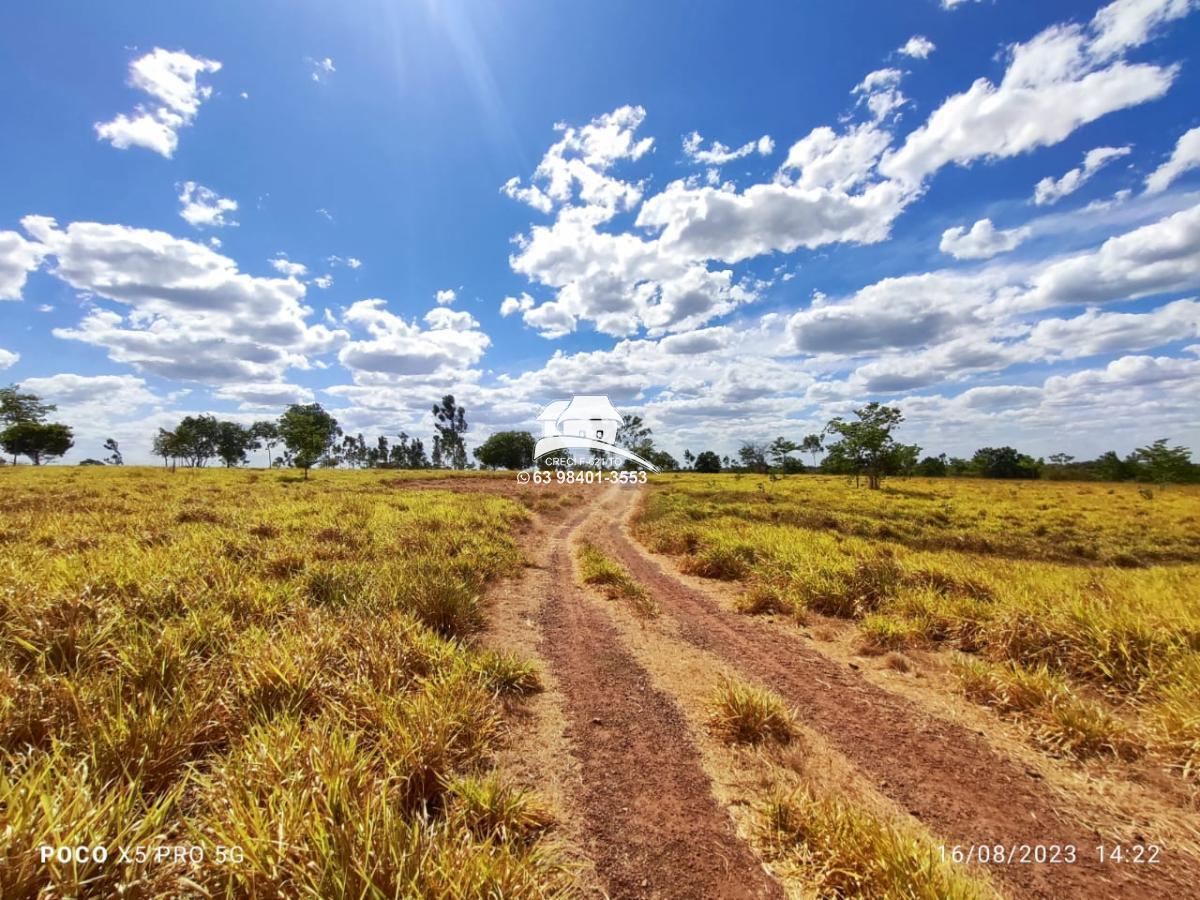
(582, 432)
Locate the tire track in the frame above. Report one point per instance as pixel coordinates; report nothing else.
(653, 828)
(943, 774)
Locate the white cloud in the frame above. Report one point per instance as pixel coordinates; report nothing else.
(840, 162)
(285, 266)
(1050, 190)
(89, 393)
(321, 69)
(718, 154)
(204, 208)
(918, 47)
(169, 77)
(982, 241)
(1063, 78)
(188, 313)
(1185, 157)
(323, 281)
(18, 257)
(264, 395)
(353, 263)
(1095, 332)
(951, 4)
(880, 91)
(8, 358)
(450, 341)
(1130, 23)
(511, 305)
(446, 297)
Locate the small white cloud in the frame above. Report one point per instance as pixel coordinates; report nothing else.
(203, 208)
(982, 241)
(8, 358)
(323, 281)
(951, 4)
(244, 95)
(1050, 190)
(321, 68)
(918, 47)
(446, 297)
(881, 93)
(325, 214)
(170, 78)
(1185, 157)
(285, 266)
(524, 303)
(214, 242)
(353, 263)
(45, 307)
(718, 154)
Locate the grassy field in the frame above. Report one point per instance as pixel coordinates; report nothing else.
(1075, 606)
(277, 672)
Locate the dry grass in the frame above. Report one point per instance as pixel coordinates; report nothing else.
(843, 850)
(745, 714)
(598, 570)
(234, 659)
(1093, 584)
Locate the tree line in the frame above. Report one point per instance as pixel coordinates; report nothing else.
(306, 435)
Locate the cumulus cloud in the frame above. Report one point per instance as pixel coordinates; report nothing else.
(264, 395)
(1064, 77)
(951, 4)
(512, 305)
(90, 393)
(982, 241)
(1185, 157)
(204, 208)
(323, 281)
(1095, 332)
(170, 78)
(8, 358)
(1051, 190)
(718, 154)
(880, 92)
(186, 311)
(18, 257)
(446, 297)
(285, 266)
(447, 341)
(918, 47)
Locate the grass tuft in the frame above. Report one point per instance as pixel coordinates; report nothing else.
(745, 714)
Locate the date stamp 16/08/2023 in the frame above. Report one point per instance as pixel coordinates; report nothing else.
(1050, 854)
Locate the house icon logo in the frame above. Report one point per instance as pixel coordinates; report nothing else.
(585, 422)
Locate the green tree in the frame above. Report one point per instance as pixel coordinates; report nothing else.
(708, 462)
(932, 466)
(1003, 462)
(689, 459)
(195, 439)
(779, 450)
(1110, 467)
(266, 434)
(114, 452)
(308, 432)
(233, 442)
(450, 421)
(633, 434)
(40, 441)
(813, 445)
(754, 456)
(866, 447)
(16, 406)
(409, 453)
(165, 446)
(507, 450)
(1166, 465)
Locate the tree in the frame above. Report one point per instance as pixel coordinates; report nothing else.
(195, 439)
(779, 450)
(37, 440)
(1061, 459)
(1166, 464)
(1003, 462)
(308, 431)
(754, 456)
(232, 443)
(165, 446)
(267, 435)
(507, 450)
(633, 434)
(450, 420)
(17, 407)
(867, 447)
(932, 467)
(1110, 467)
(660, 459)
(812, 444)
(91, 462)
(114, 453)
(689, 459)
(707, 461)
(26, 432)
(409, 453)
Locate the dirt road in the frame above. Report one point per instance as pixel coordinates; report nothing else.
(647, 817)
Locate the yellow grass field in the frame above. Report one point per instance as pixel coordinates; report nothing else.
(274, 671)
(1073, 605)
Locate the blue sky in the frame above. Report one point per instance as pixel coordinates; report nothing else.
(987, 213)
